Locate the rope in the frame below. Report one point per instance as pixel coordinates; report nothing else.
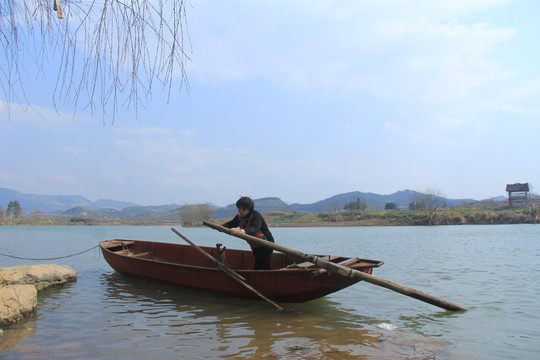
(52, 258)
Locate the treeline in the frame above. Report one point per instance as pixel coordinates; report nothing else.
(423, 210)
(13, 211)
(187, 215)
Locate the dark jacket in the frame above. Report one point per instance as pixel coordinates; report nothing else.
(253, 223)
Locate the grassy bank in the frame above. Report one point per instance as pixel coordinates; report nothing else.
(451, 216)
(446, 216)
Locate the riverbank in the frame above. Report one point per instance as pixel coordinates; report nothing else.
(444, 216)
(449, 216)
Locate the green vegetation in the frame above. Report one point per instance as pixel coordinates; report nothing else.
(446, 216)
(355, 205)
(192, 215)
(14, 210)
(390, 206)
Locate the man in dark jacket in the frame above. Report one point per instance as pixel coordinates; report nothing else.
(249, 221)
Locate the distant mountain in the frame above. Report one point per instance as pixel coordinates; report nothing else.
(77, 204)
(373, 201)
(134, 211)
(56, 203)
(163, 212)
(337, 202)
(262, 205)
(112, 204)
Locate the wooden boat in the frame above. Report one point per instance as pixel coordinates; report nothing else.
(289, 280)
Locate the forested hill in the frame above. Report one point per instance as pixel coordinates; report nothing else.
(373, 201)
(337, 202)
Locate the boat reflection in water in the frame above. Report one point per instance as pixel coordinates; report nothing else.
(191, 323)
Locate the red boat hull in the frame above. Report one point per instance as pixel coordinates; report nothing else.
(181, 265)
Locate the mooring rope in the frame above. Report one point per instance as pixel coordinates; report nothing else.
(52, 258)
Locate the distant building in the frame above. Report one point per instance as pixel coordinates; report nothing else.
(517, 193)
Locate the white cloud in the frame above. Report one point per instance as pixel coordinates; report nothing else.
(57, 178)
(37, 115)
(75, 150)
(122, 142)
(512, 109)
(19, 180)
(397, 49)
(446, 121)
(521, 99)
(186, 133)
(143, 130)
(164, 153)
(152, 131)
(392, 126)
(11, 177)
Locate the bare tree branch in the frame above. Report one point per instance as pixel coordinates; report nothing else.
(106, 53)
(430, 202)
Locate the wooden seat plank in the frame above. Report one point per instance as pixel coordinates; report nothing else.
(141, 254)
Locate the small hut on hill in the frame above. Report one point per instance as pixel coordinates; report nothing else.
(517, 193)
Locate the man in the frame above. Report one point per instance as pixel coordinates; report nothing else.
(249, 221)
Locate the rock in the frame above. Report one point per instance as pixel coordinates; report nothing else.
(16, 301)
(41, 276)
(19, 286)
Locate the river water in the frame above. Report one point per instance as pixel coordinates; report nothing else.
(492, 270)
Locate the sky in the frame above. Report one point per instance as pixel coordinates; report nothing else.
(303, 100)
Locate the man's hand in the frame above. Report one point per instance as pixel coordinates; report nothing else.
(234, 231)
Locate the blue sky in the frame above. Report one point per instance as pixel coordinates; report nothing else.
(304, 100)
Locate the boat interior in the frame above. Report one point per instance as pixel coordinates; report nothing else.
(233, 258)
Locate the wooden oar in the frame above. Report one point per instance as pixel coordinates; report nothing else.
(345, 271)
(227, 270)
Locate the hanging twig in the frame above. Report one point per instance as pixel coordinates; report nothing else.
(58, 8)
(109, 53)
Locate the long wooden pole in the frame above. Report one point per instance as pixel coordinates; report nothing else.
(345, 271)
(228, 270)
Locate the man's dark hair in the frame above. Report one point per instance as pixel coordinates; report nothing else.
(245, 203)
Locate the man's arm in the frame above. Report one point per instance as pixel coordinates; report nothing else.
(231, 223)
